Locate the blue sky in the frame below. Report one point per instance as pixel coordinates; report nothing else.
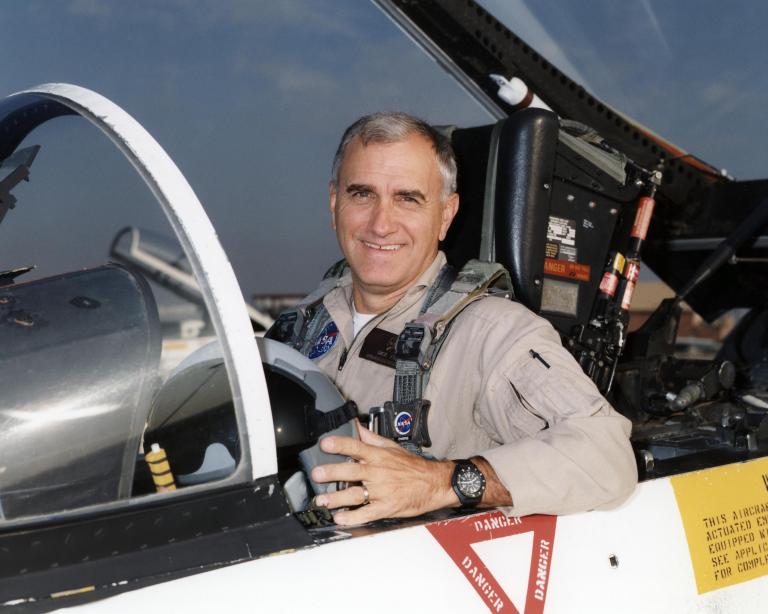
(249, 97)
(693, 71)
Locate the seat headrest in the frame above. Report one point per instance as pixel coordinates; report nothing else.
(504, 205)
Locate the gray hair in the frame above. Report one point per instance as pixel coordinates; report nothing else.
(394, 127)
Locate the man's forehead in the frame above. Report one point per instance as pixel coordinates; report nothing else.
(412, 156)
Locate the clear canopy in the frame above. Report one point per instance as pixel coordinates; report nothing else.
(693, 72)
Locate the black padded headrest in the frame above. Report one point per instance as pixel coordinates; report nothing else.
(521, 193)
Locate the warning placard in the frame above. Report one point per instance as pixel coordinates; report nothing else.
(725, 515)
(564, 268)
(458, 536)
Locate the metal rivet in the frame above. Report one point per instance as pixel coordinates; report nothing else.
(570, 198)
(592, 204)
(547, 186)
(614, 211)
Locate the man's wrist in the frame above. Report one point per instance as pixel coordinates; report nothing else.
(495, 492)
(449, 498)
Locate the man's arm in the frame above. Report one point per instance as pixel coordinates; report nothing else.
(563, 449)
(566, 449)
(399, 483)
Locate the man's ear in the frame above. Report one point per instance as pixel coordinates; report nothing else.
(450, 208)
(332, 202)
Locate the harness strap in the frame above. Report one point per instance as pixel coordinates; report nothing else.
(487, 239)
(420, 342)
(475, 280)
(322, 422)
(298, 326)
(416, 348)
(443, 283)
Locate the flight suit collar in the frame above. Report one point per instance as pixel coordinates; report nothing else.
(339, 301)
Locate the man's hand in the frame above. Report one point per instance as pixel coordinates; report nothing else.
(399, 484)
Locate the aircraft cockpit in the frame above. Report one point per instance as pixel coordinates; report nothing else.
(117, 371)
(135, 349)
(89, 342)
(148, 431)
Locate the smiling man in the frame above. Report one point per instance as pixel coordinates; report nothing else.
(390, 207)
(512, 420)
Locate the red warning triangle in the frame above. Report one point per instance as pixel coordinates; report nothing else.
(457, 536)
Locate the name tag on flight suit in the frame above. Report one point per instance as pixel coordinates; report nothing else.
(379, 347)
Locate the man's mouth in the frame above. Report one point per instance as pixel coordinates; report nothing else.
(389, 247)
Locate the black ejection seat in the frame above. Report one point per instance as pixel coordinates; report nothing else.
(546, 207)
(505, 179)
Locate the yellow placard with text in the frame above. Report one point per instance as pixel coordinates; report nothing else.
(725, 515)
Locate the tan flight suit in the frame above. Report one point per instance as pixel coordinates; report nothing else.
(553, 440)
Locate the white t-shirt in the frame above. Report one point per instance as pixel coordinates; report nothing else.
(360, 319)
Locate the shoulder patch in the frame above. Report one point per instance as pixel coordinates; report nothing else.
(325, 340)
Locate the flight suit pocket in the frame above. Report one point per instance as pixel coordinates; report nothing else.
(553, 392)
(526, 384)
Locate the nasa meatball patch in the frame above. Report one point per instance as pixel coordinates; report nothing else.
(403, 423)
(324, 341)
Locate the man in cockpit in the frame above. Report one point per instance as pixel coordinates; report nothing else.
(513, 421)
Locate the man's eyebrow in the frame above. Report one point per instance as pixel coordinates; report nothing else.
(417, 194)
(358, 187)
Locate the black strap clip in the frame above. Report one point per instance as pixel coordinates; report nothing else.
(408, 345)
(405, 423)
(322, 422)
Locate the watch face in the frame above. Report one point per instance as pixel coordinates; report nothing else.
(469, 481)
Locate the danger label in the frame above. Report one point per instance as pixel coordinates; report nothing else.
(563, 268)
(725, 515)
(457, 537)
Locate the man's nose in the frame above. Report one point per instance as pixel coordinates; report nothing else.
(383, 220)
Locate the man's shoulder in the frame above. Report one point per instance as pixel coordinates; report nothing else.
(496, 309)
(497, 320)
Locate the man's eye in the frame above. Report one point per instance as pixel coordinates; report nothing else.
(411, 200)
(361, 194)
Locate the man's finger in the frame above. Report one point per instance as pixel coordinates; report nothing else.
(339, 472)
(361, 515)
(372, 439)
(348, 497)
(347, 446)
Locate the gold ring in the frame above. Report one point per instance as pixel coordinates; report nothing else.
(366, 496)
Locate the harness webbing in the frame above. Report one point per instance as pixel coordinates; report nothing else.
(299, 326)
(420, 341)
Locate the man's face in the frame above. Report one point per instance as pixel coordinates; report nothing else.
(389, 214)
